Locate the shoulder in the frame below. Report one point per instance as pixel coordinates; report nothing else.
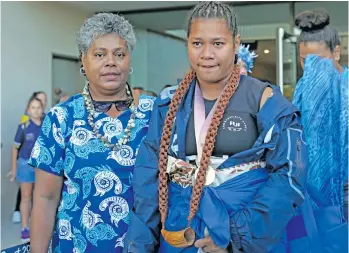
(254, 92)
(168, 93)
(165, 97)
(24, 119)
(253, 84)
(75, 100)
(145, 103)
(62, 111)
(145, 106)
(23, 126)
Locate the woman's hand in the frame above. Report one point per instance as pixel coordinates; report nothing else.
(207, 245)
(11, 175)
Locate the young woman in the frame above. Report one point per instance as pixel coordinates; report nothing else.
(16, 217)
(25, 139)
(322, 97)
(224, 165)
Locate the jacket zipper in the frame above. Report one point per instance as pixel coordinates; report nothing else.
(299, 155)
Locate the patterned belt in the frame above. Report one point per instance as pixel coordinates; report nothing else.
(184, 173)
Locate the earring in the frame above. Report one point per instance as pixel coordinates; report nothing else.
(128, 91)
(82, 71)
(131, 70)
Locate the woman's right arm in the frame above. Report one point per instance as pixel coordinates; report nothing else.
(14, 164)
(143, 232)
(48, 158)
(18, 142)
(47, 193)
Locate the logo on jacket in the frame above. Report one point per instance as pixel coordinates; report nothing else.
(235, 124)
(29, 136)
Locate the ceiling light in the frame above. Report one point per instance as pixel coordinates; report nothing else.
(266, 51)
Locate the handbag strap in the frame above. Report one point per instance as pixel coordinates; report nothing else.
(311, 226)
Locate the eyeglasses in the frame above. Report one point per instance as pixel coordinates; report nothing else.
(105, 106)
(121, 105)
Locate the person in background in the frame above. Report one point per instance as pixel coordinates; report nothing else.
(137, 91)
(92, 140)
(58, 93)
(150, 93)
(43, 98)
(16, 216)
(64, 97)
(246, 59)
(322, 97)
(26, 136)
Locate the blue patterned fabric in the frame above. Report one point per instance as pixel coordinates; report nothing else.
(93, 214)
(322, 97)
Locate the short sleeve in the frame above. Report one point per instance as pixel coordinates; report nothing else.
(49, 150)
(19, 137)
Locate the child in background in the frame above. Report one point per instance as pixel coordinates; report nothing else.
(16, 217)
(25, 138)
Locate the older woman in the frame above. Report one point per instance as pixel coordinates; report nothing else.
(91, 139)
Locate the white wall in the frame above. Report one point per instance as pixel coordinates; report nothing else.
(167, 60)
(66, 76)
(157, 60)
(30, 32)
(139, 77)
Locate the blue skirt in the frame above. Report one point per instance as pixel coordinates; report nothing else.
(25, 172)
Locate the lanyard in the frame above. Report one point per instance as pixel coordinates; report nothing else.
(201, 124)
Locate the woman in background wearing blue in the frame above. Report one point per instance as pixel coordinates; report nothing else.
(25, 139)
(322, 97)
(16, 217)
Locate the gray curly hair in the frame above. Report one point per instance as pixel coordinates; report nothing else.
(102, 24)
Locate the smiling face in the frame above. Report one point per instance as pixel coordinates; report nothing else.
(107, 63)
(211, 49)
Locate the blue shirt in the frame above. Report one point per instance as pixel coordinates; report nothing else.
(26, 136)
(93, 214)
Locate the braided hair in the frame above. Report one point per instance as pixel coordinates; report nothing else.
(204, 10)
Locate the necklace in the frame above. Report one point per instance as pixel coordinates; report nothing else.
(127, 132)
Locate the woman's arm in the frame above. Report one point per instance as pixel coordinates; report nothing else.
(13, 171)
(48, 159)
(260, 226)
(143, 232)
(18, 142)
(47, 193)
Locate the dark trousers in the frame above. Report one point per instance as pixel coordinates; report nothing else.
(18, 201)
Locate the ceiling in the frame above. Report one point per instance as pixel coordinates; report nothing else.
(121, 6)
(173, 14)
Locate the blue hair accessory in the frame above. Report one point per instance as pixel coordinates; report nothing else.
(247, 57)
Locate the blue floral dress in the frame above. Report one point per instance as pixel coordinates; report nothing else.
(93, 214)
